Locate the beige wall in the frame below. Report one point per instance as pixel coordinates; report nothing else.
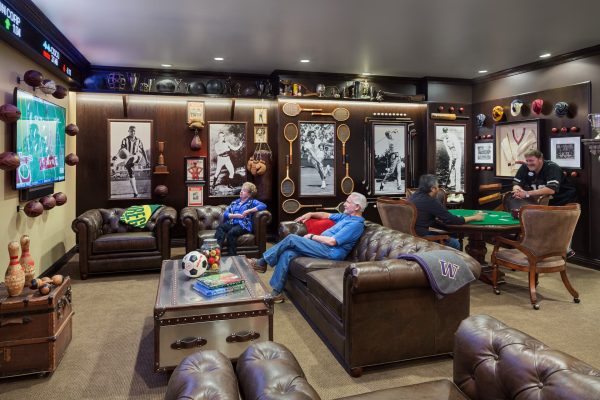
(51, 234)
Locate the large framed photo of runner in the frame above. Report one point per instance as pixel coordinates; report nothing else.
(389, 158)
(450, 156)
(512, 140)
(227, 158)
(317, 159)
(130, 154)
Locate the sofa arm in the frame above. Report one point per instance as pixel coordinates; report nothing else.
(261, 220)
(376, 276)
(494, 361)
(189, 220)
(165, 220)
(291, 228)
(164, 216)
(201, 376)
(268, 370)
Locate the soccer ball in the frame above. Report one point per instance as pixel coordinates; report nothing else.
(194, 264)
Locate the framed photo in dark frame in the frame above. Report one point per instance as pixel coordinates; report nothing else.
(566, 151)
(194, 168)
(317, 158)
(450, 156)
(227, 158)
(389, 155)
(512, 140)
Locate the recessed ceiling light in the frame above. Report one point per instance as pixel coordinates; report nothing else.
(166, 65)
(218, 59)
(483, 71)
(305, 60)
(545, 55)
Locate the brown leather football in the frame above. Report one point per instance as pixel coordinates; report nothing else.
(71, 159)
(60, 197)
(33, 209)
(9, 113)
(161, 190)
(48, 202)
(33, 78)
(9, 161)
(60, 92)
(72, 130)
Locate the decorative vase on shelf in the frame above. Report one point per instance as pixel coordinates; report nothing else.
(212, 251)
(14, 279)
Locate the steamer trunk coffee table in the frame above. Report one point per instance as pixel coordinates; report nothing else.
(186, 321)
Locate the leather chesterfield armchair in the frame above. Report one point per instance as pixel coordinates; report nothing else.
(108, 245)
(201, 223)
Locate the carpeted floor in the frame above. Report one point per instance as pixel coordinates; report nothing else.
(112, 353)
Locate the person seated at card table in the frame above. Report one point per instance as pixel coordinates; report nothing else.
(429, 209)
(333, 244)
(237, 218)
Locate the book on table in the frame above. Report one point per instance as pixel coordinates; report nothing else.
(203, 290)
(221, 280)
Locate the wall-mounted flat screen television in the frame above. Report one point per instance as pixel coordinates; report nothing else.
(39, 141)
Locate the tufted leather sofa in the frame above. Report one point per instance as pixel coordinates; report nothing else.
(201, 223)
(491, 362)
(108, 245)
(372, 308)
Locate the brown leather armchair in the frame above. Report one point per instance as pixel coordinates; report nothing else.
(542, 248)
(401, 215)
(108, 245)
(201, 223)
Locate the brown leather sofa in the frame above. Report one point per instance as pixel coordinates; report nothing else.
(491, 362)
(201, 223)
(372, 308)
(108, 245)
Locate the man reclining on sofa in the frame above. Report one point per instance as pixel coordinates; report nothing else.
(333, 244)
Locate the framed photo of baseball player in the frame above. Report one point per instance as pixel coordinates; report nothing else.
(227, 158)
(484, 153)
(566, 151)
(194, 169)
(195, 195)
(512, 140)
(317, 159)
(450, 156)
(130, 152)
(260, 134)
(389, 158)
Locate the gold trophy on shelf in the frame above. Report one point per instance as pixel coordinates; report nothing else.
(160, 167)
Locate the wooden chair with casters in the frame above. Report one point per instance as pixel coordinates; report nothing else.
(401, 215)
(542, 248)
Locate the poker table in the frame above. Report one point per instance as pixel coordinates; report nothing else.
(494, 223)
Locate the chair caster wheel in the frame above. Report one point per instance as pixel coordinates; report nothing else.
(577, 300)
(536, 306)
(497, 291)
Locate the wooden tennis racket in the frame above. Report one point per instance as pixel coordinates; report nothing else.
(339, 114)
(287, 185)
(339, 208)
(343, 134)
(347, 182)
(290, 131)
(291, 206)
(293, 109)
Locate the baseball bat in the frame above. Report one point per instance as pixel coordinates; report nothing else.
(490, 186)
(490, 198)
(447, 116)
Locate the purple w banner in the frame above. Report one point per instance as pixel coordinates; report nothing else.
(449, 269)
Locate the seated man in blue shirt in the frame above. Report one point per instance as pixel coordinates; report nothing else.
(333, 244)
(237, 219)
(429, 208)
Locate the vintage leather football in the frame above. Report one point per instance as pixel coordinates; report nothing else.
(9, 161)
(48, 202)
(71, 159)
(9, 113)
(161, 190)
(33, 209)
(60, 92)
(60, 197)
(33, 78)
(72, 130)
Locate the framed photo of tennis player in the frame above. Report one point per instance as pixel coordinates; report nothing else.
(260, 134)
(512, 140)
(227, 158)
(194, 169)
(389, 158)
(317, 159)
(195, 195)
(260, 116)
(130, 154)
(450, 156)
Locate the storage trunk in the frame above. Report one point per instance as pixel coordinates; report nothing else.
(35, 330)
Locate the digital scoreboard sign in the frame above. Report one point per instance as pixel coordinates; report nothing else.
(23, 31)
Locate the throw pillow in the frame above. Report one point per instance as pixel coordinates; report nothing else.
(318, 226)
(138, 216)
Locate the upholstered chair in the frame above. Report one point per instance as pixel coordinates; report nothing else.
(441, 195)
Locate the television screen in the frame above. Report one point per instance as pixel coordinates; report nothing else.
(40, 141)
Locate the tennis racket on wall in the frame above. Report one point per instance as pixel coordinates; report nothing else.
(339, 208)
(343, 134)
(290, 131)
(291, 206)
(339, 114)
(347, 182)
(287, 185)
(294, 109)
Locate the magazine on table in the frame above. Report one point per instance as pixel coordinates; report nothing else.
(216, 291)
(223, 279)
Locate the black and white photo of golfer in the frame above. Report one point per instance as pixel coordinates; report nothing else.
(317, 158)
(130, 159)
(227, 158)
(449, 158)
(389, 146)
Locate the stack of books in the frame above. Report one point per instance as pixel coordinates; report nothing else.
(215, 284)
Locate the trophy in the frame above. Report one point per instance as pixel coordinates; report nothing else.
(160, 167)
(132, 78)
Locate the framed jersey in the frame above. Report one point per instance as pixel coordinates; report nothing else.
(512, 140)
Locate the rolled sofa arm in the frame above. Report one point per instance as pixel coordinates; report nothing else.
(391, 274)
(88, 225)
(166, 215)
(261, 220)
(291, 228)
(165, 220)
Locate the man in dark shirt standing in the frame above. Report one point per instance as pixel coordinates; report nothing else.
(539, 177)
(429, 208)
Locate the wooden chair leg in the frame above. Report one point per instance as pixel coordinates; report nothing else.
(495, 278)
(532, 285)
(570, 288)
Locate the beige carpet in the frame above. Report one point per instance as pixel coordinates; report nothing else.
(111, 355)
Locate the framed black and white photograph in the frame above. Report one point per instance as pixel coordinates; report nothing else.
(512, 140)
(566, 151)
(130, 155)
(227, 158)
(484, 153)
(260, 115)
(317, 158)
(389, 158)
(260, 134)
(450, 156)
(194, 169)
